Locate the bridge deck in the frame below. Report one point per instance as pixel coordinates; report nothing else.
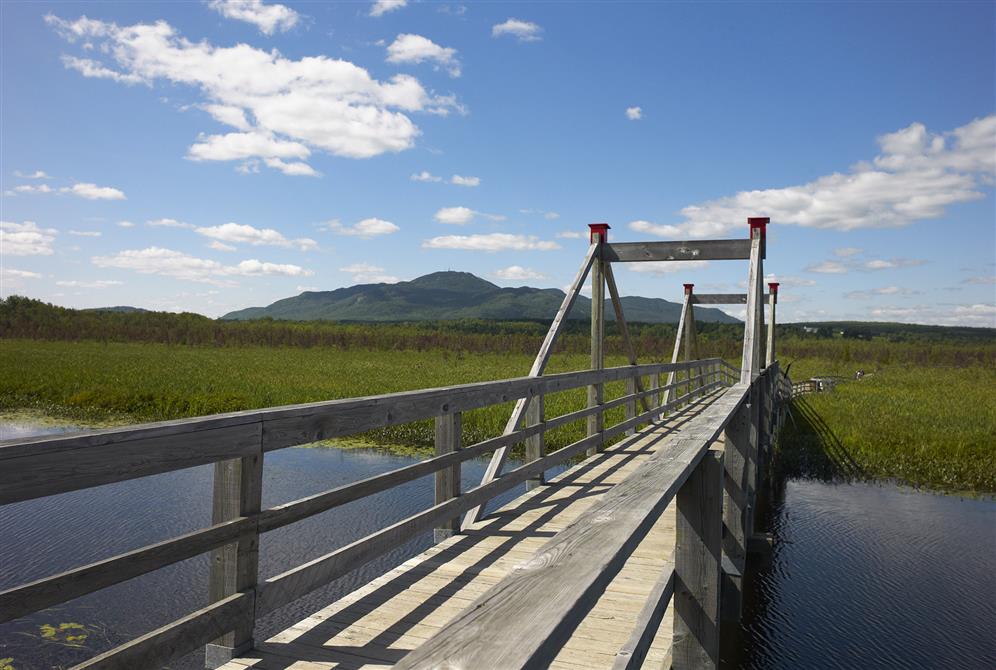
(378, 624)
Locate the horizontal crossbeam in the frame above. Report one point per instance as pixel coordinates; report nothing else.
(721, 298)
(688, 250)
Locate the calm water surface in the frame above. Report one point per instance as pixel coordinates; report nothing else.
(862, 576)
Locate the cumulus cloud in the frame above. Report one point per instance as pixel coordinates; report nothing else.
(382, 7)
(425, 176)
(659, 268)
(459, 180)
(491, 242)
(170, 263)
(844, 252)
(882, 290)
(25, 239)
(634, 113)
(571, 235)
(268, 18)
(289, 107)
(916, 176)
(21, 274)
(100, 283)
(221, 246)
(524, 31)
(240, 233)
(126, 224)
(459, 216)
(786, 280)
(408, 48)
(367, 228)
(85, 233)
(981, 280)
(517, 272)
(828, 267)
(659, 230)
(33, 188)
(365, 273)
(93, 192)
(37, 174)
(971, 314)
(891, 263)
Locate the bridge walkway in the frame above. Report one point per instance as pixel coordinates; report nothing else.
(378, 624)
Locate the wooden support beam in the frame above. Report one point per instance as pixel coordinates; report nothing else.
(772, 301)
(690, 250)
(736, 439)
(596, 392)
(697, 557)
(686, 307)
(536, 444)
(238, 492)
(610, 283)
(721, 298)
(448, 436)
(539, 365)
(750, 365)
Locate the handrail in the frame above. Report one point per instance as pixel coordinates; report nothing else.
(36, 467)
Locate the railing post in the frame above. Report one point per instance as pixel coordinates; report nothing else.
(238, 491)
(697, 556)
(536, 444)
(752, 457)
(772, 301)
(596, 392)
(736, 439)
(448, 429)
(657, 398)
(631, 404)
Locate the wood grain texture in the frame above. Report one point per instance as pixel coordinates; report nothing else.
(447, 480)
(632, 655)
(535, 445)
(689, 250)
(750, 360)
(596, 392)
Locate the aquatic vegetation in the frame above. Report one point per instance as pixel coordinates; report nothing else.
(71, 633)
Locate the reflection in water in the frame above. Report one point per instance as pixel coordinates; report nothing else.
(42, 537)
(874, 576)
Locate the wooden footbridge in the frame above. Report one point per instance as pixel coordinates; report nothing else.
(631, 558)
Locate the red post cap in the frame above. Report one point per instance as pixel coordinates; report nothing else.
(759, 223)
(602, 229)
(773, 287)
(688, 288)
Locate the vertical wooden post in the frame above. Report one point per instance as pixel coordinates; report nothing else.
(670, 394)
(736, 439)
(772, 301)
(238, 491)
(448, 428)
(691, 340)
(697, 556)
(596, 392)
(631, 404)
(535, 445)
(752, 457)
(657, 399)
(750, 365)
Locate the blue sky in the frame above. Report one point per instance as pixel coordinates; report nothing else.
(209, 156)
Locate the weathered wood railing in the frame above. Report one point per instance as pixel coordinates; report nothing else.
(711, 470)
(236, 444)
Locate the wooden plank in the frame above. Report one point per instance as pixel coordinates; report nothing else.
(736, 441)
(634, 652)
(83, 461)
(38, 595)
(610, 283)
(175, 639)
(292, 584)
(770, 350)
(539, 365)
(524, 620)
(448, 429)
(535, 445)
(749, 366)
(721, 298)
(688, 250)
(697, 556)
(679, 333)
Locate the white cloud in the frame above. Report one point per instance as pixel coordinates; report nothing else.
(37, 174)
(94, 70)
(289, 107)
(382, 7)
(19, 274)
(786, 280)
(408, 48)
(979, 280)
(634, 113)
(94, 192)
(156, 260)
(168, 223)
(365, 273)
(25, 239)
(268, 18)
(571, 235)
(241, 233)
(655, 229)
(524, 31)
(972, 314)
(660, 268)
(491, 242)
(844, 252)
(425, 175)
(100, 283)
(459, 216)
(366, 228)
(551, 216)
(828, 267)
(915, 177)
(33, 188)
(306, 288)
(892, 263)
(465, 181)
(126, 224)
(517, 272)
(221, 246)
(295, 169)
(85, 233)
(882, 290)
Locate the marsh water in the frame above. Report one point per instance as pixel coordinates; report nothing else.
(862, 575)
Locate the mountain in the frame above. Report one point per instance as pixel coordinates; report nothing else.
(118, 308)
(444, 296)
